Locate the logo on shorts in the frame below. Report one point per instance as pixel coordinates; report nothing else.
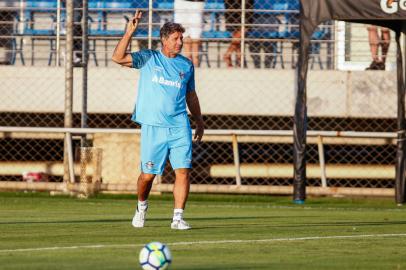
(149, 164)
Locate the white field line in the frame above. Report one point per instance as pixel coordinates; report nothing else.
(298, 207)
(289, 239)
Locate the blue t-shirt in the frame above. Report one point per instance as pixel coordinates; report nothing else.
(162, 88)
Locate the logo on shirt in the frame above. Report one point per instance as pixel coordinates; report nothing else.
(163, 81)
(181, 75)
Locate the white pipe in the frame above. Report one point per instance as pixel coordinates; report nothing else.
(22, 18)
(322, 161)
(277, 170)
(340, 49)
(150, 24)
(236, 160)
(70, 157)
(195, 188)
(288, 133)
(49, 168)
(243, 13)
(58, 31)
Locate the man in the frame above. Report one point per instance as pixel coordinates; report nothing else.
(376, 41)
(166, 85)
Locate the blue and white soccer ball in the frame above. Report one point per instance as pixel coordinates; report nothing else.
(155, 256)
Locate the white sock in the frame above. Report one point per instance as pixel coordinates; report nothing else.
(177, 214)
(142, 205)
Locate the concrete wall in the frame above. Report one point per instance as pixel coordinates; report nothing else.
(221, 91)
(121, 161)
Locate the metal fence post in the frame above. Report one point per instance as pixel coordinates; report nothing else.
(85, 58)
(236, 160)
(68, 117)
(243, 11)
(322, 161)
(71, 164)
(58, 33)
(150, 24)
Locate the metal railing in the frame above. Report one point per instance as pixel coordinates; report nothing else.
(239, 171)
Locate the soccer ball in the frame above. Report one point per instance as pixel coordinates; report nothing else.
(155, 256)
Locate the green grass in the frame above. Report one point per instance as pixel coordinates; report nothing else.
(34, 221)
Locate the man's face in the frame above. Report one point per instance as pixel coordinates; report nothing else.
(173, 43)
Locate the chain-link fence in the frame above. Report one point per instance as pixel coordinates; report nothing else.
(246, 61)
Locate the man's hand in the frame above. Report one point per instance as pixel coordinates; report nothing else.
(192, 102)
(199, 131)
(133, 23)
(120, 55)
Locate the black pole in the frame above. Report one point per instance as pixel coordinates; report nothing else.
(300, 117)
(404, 93)
(400, 154)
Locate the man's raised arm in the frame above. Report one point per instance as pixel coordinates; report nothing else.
(120, 55)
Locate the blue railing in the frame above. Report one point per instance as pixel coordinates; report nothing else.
(271, 22)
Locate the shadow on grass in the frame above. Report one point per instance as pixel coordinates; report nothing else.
(128, 220)
(255, 221)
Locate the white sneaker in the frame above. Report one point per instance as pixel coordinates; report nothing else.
(76, 59)
(139, 218)
(180, 225)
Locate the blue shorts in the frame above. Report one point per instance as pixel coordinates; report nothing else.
(159, 143)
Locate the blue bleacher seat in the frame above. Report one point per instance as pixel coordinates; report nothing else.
(294, 5)
(27, 19)
(38, 6)
(284, 15)
(163, 4)
(104, 7)
(16, 45)
(140, 4)
(322, 33)
(96, 7)
(270, 18)
(120, 5)
(215, 8)
(41, 5)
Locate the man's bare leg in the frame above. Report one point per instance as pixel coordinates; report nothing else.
(195, 52)
(187, 48)
(373, 42)
(385, 42)
(181, 188)
(180, 194)
(144, 186)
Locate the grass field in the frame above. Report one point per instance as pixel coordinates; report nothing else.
(38, 231)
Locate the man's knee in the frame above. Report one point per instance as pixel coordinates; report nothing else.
(182, 173)
(147, 177)
(385, 30)
(372, 28)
